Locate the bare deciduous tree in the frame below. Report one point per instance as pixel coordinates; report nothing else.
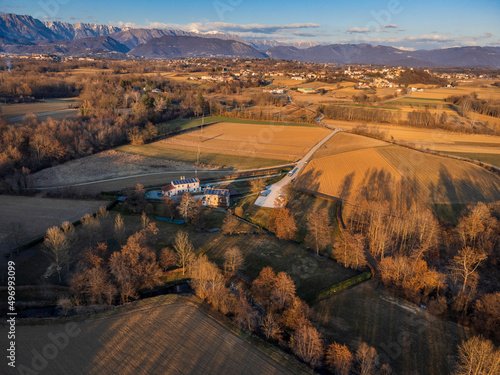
(319, 230)
(119, 229)
(307, 343)
(478, 357)
(271, 327)
(230, 224)
(339, 358)
(367, 358)
(464, 265)
(233, 260)
(57, 248)
(184, 249)
(167, 258)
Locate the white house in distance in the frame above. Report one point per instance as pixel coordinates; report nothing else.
(190, 185)
(216, 198)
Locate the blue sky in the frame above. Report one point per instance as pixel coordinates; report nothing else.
(412, 24)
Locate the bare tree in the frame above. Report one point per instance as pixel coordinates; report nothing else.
(478, 357)
(186, 206)
(233, 260)
(271, 327)
(144, 220)
(263, 286)
(282, 223)
(246, 316)
(283, 291)
(167, 258)
(307, 343)
(119, 229)
(349, 250)
(367, 358)
(230, 224)
(184, 249)
(91, 227)
(319, 230)
(339, 358)
(257, 184)
(464, 265)
(56, 247)
(169, 207)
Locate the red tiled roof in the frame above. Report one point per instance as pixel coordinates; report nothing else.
(168, 187)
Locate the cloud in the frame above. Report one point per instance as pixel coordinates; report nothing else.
(429, 38)
(390, 26)
(358, 30)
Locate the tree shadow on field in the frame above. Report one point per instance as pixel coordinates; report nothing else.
(309, 181)
(346, 186)
(378, 185)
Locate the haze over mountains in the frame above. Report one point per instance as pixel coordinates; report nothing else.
(22, 34)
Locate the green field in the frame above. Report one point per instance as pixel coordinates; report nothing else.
(191, 123)
(493, 159)
(49, 105)
(222, 160)
(421, 102)
(413, 340)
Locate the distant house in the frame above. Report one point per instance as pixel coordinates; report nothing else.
(216, 198)
(306, 90)
(156, 91)
(191, 185)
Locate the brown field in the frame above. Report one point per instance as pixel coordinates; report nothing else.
(38, 214)
(165, 335)
(438, 140)
(343, 174)
(443, 180)
(345, 142)
(439, 180)
(263, 141)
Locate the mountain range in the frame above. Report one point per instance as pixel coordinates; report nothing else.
(23, 34)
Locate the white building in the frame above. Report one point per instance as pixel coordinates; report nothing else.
(191, 185)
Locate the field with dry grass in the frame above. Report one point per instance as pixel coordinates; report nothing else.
(36, 215)
(237, 145)
(411, 339)
(165, 335)
(474, 146)
(12, 110)
(340, 172)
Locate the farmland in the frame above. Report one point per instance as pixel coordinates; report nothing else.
(474, 146)
(56, 108)
(235, 145)
(36, 215)
(413, 340)
(438, 180)
(164, 335)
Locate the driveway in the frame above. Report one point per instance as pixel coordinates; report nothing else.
(276, 189)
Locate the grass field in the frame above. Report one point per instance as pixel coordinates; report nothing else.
(36, 215)
(49, 105)
(408, 337)
(235, 145)
(165, 335)
(310, 273)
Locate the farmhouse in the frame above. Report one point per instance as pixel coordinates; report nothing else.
(216, 198)
(306, 90)
(191, 185)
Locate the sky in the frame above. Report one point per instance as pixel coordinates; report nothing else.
(407, 24)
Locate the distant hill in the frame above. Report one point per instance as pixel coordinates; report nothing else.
(79, 30)
(384, 55)
(101, 45)
(22, 34)
(168, 47)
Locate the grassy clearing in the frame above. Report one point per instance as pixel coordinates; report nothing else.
(49, 105)
(410, 338)
(190, 123)
(189, 156)
(176, 335)
(36, 215)
(310, 273)
(345, 142)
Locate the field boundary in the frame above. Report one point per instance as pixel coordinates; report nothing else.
(344, 285)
